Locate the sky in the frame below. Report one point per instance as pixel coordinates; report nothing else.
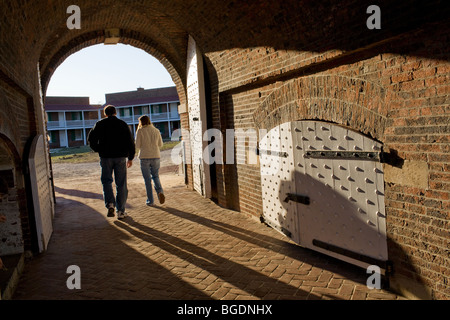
(94, 71)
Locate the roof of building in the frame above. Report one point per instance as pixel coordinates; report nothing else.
(142, 96)
(119, 99)
(69, 104)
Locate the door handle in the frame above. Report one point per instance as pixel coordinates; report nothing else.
(297, 198)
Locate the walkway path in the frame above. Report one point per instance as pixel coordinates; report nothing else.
(188, 248)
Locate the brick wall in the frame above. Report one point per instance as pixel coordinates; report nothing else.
(401, 99)
(17, 124)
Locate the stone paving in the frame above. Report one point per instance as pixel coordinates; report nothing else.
(189, 248)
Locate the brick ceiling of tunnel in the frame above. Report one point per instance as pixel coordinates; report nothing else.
(161, 27)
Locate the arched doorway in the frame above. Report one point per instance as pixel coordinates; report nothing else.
(11, 239)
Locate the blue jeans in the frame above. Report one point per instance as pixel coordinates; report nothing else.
(150, 170)
(118, 166)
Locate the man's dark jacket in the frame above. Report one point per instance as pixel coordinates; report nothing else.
(111, 138)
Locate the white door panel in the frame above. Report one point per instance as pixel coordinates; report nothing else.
(197, 118)
(343, 214)
(42, 192)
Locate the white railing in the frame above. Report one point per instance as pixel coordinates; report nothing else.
(55, 124)
(128, 120)
(90, 123)
(74, 123)
(155, 117)
(159, 116)
(71, 124)
(174, 116)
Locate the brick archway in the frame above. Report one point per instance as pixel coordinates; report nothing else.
(352, 102)
(13, 187)
(49, 62)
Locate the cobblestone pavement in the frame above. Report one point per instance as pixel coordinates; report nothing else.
(188, 248)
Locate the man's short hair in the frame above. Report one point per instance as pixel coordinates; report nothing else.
(109, 110)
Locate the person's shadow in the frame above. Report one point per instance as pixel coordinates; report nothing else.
(251, 281)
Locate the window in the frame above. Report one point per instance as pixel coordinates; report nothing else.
(159, 108)
(125, 112)
(53, 136)
(76, 116)
(76, 135)
(174, 110)
(142, 110)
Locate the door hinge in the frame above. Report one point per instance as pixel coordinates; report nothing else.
(390, 157)
(275, 226)
(348, 155)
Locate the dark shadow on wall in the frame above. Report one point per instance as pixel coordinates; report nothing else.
(210, 124)
(417, 40)
(327, 25)
(407, 282)
(231, 170)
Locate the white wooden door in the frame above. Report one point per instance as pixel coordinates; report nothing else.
(197, 118)
(330, 186)
(42, 192)
(277, 165)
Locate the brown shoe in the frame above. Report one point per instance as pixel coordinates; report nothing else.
(161, 198)
(110, 212)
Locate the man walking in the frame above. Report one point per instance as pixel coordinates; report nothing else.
(112, 139)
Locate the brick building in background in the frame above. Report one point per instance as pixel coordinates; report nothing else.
(160, 104)
(69, 119)
(313, 75)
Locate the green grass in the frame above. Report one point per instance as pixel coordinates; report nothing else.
(84, 154)
(169, 145)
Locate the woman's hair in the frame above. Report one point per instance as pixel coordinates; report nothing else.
(144, 121)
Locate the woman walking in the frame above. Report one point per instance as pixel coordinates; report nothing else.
(149, 142)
